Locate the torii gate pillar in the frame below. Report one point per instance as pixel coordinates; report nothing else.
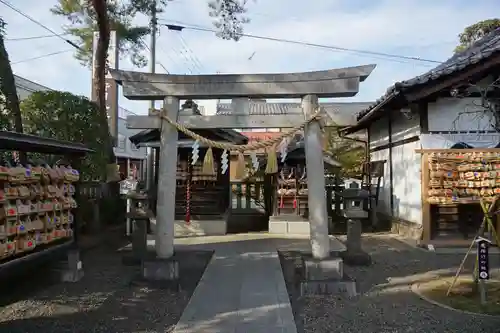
(165, 207)
(318, 217)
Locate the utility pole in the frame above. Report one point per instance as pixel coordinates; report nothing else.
(150, 179)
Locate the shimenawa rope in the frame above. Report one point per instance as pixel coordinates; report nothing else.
(270, 145)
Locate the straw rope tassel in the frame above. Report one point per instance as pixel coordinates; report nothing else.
(239, 172)
(208, 163)
(272, 161)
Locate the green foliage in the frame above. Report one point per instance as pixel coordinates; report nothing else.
(227, 14)
(229, 18)
(10, 118)
(64, 116)
(475, 32)
(4, 65)
(83, 23)
(2, 27)
(349, 153)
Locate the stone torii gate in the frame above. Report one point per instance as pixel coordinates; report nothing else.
(309, 86)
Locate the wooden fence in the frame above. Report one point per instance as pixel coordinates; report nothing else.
(101, 205)
(248, 195)
(252, 195)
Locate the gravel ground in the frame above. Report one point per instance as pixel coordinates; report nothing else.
(385, 303)
(107, 299)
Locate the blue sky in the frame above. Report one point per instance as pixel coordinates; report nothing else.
(418, 28)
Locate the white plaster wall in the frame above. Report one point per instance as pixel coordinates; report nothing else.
(406, 168)
(379, 135)
(406, 180)
(402, 127)
(465, 114)
(405, 165)
(458, 114)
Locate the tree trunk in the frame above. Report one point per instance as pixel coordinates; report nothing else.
(100, 8)
(8, 89)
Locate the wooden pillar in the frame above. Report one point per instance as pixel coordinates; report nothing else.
(426, 207)
(128, 169)
(391, 169)
(422, 110)
(329, 199)
(149, 168)
(337, 188)
(156, 153)
(269, 188)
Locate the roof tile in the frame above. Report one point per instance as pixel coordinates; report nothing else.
(480, 50)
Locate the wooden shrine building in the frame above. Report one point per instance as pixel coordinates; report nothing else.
(291, 183)
(202, 200)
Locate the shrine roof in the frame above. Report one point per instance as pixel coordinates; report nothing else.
(38, 144)
(342, 113)
(476, 54)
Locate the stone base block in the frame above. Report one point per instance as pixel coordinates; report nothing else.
(160, 269)
(358, 258)
(299, 228)
(289, 224)
(200, 228)
(344, 287)
(278, 227)
(326, 276)
(326, 269)
(72, 269)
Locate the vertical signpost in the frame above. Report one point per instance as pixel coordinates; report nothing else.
(111, 87)
(483, 265)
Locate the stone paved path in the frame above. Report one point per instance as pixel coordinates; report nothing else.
(243, 289)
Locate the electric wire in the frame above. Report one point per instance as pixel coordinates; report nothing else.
(192, 55)
(20, 39)
(41, 56)
(9, 5)
(181, 26)
(156, 62)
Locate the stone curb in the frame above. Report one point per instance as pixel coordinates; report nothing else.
(415, 288)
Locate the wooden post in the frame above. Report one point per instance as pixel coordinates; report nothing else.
(426, 207)
(337, 198)
(76, 163)
(329, 196)
(248, 195)
(497, 229)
